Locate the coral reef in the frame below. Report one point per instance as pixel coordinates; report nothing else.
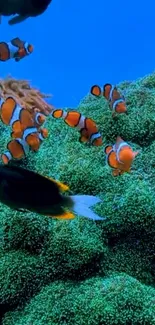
(83, 272)
(25, 95)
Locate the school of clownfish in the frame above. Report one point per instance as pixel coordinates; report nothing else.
(28, 133)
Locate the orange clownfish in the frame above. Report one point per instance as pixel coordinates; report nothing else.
(19, 118)
(15, 49)
(34, 137)
(86, 126)
(16, 149)
(120, 156)
(39, 118)
(14, 115)
(116, 101)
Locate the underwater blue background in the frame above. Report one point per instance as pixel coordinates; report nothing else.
(80, 43)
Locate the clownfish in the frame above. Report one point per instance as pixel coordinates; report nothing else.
(116, 101)
(19, 118)
(15, 49)
(86, 126)
(24, 189)
(16, 149)
(34, 137)
(120, 156)
(14, 115)
(38, 117)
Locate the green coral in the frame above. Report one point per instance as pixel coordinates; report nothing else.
(119, 299)
(70, 272)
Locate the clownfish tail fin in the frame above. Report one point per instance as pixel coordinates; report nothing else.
(80, 204)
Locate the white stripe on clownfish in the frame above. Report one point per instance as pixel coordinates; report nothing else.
(26, 47)
(118, 149)
(29, 131)
(94, 136)
(8, 155)
(111, 93)
(116, 103)
(16, 114)
(36, 118)
(107, 155)
(23, 144)
(81, 124)
(13, 49)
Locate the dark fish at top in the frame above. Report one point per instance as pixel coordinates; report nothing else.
(23, 8)
(25, 189)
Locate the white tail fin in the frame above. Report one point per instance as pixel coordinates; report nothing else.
(82, 204)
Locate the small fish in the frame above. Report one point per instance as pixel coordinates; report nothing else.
(15, 49)
(86, 126)
(23, 8)
(34, 137)
(16, 149)
(14, 115)
(38, 117)
(25, 189)
(120, 156)
(116, 101)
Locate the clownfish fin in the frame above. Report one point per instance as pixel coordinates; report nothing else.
(135, 153)
(17, 19)
(57, 113)
(95, 90)
(107, 149)
(82, 138)
(62, 187)
(116, 172)
(65, 216)
(82, 204)
(119, 139)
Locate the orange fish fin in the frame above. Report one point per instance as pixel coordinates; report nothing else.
(4, 51)
(112, 160)
(83, 138)
(84, 135)
(17, 42)
(65, 216)
(5, 158)
(116, 172)
(119, 139)
(107, 149)
(61, 186)
(95, 90)
(57, 113)
(106, 90)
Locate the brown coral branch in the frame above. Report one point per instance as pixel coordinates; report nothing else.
(25, 95)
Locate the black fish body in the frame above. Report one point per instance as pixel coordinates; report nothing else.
(23, 189)
(24, 8)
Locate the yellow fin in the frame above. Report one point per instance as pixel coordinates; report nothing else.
(61, 186)
(65, 216)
